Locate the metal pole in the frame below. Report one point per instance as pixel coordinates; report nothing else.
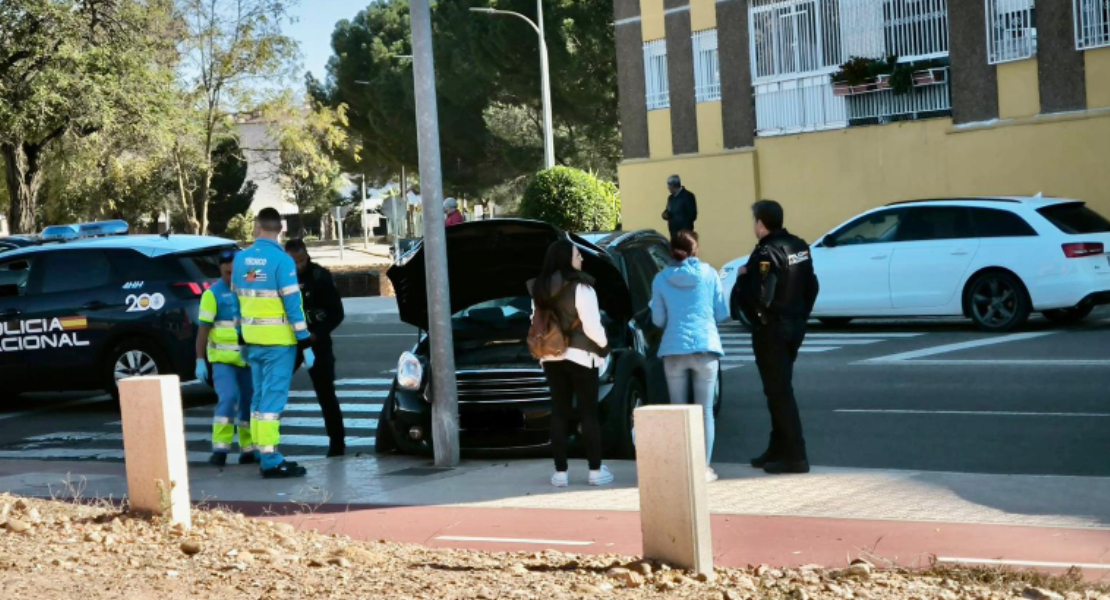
(365, 219)
(548, 132)
(404, 198)
(339, 226)
(445, 416)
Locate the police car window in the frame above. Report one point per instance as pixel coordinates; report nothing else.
(13, 278)
(875, 228)
(204, 264)
(935, 223)
(67, 271)
(991, 222)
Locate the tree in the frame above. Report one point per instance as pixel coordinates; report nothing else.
(231, 194)
(71, 68)
(232, 45)
(572, 200)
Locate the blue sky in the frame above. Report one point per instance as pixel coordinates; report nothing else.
(316, 21)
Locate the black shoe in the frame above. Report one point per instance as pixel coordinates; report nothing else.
(285, 470)
(218, 459)
(761, 461)
(334, 451)
(782, 467)
(248, 458)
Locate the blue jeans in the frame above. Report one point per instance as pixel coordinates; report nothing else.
(272, 372)
(233, 409)
(700, 372)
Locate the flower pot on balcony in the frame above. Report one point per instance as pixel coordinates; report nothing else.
(882, 82)
(930, 77)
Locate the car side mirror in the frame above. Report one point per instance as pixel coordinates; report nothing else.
(829, 242)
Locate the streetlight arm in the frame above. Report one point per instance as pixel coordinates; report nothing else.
(494, 11)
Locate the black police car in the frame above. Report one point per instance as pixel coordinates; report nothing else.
(504, 399)
(84, 313)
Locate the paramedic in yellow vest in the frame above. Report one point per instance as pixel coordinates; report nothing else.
(272, 322)
(218, 339)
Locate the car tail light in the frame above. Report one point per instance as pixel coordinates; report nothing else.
(1083, 249)
(196, 288)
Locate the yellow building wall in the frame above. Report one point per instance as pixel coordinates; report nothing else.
(703, 14)
(1097, 63)
(1019, 93)
(659, 133)
(724, 184)
(651, 20)
(711, 133)
(823, 179)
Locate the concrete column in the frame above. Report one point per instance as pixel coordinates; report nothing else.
(734, 52)
(630, 78)
(154, 446)
(1063, 76)
(974, 81)
(680, 76)
(670, 464)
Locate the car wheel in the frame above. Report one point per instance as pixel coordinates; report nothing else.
(621, 427)
(834, 321)
(997, 302)
(739, 315)
(133, 358)
(1067, 316)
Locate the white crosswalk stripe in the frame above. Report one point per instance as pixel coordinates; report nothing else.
(737, 342)
(303, 434)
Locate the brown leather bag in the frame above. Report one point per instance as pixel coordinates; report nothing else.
(545, 336)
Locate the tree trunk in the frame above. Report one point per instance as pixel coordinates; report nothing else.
(187, 208)
(23, 175)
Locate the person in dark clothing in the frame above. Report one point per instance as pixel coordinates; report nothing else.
(682, 207)
(777, 289)
(323, 309)
(564, 292)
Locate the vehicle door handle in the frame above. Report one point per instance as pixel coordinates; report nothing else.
(10, 313)
(94, 305)
(960, 253)
(879, 257)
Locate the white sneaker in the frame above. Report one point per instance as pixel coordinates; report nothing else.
(601, 477)
(710, 475)
(560, 479)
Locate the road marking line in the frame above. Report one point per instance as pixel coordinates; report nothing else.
(946, 348)
(371, 382)
(199, 436)
(809, 342)
(342, 394)
(747, 354)
(366, 335)
(53, 407)
(1022, 563)
(836, 336)
(730, 367)
(992, 413)
(303, 422)
(346, 408)
(461, 538)
(993, 363)
(100, 454)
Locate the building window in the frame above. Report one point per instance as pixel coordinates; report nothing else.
(707, 70)
(1092, 24)
(655, 75)
(1011, 33)
(797, 45)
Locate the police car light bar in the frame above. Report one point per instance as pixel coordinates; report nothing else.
(61, 233)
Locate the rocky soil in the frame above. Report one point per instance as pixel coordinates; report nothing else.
(63, 550)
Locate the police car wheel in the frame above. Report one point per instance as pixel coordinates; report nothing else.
(133, 358)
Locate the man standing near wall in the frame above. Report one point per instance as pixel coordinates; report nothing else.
(682, 207)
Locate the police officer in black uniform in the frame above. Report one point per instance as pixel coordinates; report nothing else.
(777, 290)
(323, 308)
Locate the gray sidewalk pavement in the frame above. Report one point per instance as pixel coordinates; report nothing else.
(916, 496)
(371, 310)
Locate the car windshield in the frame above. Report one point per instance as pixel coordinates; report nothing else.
(1075, 218)
(501, 310)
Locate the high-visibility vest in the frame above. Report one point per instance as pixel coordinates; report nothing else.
(270, 307)
(223, 340)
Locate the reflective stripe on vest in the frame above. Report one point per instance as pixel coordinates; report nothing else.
(223, 345)
(263, 319)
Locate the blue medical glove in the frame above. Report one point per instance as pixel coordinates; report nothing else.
(202, 370)
(309, 358)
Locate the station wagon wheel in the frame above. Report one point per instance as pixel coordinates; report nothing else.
(133, 358)
(997, 302)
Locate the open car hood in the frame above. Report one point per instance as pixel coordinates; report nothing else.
(487, 260)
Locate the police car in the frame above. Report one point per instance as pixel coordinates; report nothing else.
(90, 305)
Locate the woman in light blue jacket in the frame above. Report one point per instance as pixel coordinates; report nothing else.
(687, 301)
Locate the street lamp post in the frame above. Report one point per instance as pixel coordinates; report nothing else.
(548, 132)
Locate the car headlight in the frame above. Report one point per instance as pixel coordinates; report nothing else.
(410, 373)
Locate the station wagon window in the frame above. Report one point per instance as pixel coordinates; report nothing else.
(67, 271)
(875, 228)
(935, 223)
(1075, 218)
(13, 278)
(992, 223)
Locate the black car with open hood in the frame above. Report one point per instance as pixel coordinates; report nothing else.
(504, 400)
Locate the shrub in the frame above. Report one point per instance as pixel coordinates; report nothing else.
(241, 227)
(572, 200)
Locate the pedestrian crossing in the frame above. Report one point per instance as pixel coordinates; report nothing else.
(302, 429)
(737, 343)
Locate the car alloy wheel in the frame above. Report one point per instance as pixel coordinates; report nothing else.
(134, 363)
(998, 303)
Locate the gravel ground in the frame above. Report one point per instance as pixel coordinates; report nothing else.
(52, 549)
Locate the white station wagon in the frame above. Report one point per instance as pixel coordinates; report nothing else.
(994, 260)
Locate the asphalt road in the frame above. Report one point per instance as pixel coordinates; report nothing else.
(919, 395)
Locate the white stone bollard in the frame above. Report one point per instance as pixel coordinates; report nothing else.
(154, 446)
(670, 464)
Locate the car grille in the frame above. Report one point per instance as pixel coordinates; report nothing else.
(502, 385)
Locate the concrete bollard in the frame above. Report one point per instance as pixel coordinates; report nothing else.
(154, 446)
(670, 464)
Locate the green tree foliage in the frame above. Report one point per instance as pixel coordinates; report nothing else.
(241, 227)
(572, 200)
(70, 69)
(231, 194)
(311, 142)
